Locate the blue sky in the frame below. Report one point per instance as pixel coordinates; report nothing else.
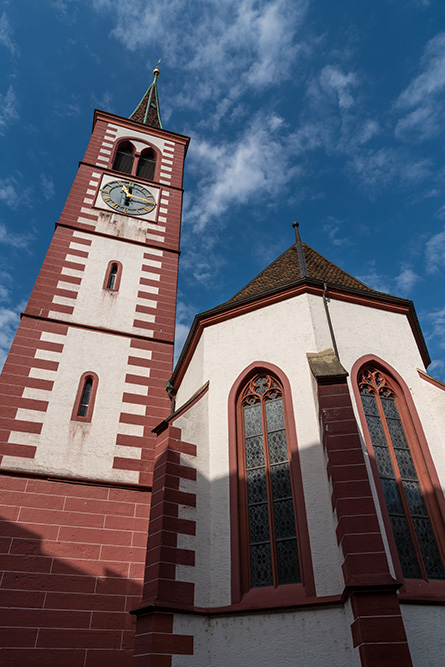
(331, 113)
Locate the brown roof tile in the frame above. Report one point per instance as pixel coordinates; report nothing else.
(286, 270)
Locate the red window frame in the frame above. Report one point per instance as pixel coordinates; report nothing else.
(276, 595)
(117, 280)
(75, 416)
(426, 472)
(136, 155)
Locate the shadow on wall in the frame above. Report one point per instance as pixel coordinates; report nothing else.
(66, 590)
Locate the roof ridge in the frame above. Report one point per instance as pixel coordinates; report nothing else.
(339, 268)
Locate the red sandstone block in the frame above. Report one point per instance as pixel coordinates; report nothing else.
(355, 505)
(160, 570)
(335, 401)
(79, 639)
(136, 399)
(353, 489)
(20, 657)
(152, 660)
(338, 457)
(362, 523)
(117, 586)
(5, 544)
(136, 571)
(20, 425)
(94, 536)
(363, 543)
(333, 389)
(12, 483)
(375, 604)
(171, 591)
(124, 523)
(162, 538)
(56, 549)
(67, 489)
(48, 582)
(341, 427)
(104, 658)
(61, 518)
(385, 655)
(168, 554)
(131, 554)
(122, 463)
(374, 629)
(28, 599)
(20, 637)
(181, 471)
(161, 508)
(11, 513)
(155, 622)
(137, 379)
(91, 567)
(172, 644)
(348, 473)
(15, 563)
(374, 563)
(94, 506)
(105, 620)
(140, 539)
(337, 413)
(142, 511)
(44, 618)
(343, 441)
(20, 530)
(26, 403)
(31, 500)
(82, 601)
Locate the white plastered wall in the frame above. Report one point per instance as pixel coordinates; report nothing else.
(282, 334)
(99, 307)
(73, 448)
(421, 624)
(309, 638)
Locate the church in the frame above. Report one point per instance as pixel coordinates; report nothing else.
(275, 499)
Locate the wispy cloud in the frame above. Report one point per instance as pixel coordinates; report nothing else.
(8, 109)
(406, 280)
(422, 100)
(14, 240)
(13, 193)
(7, 35)
(435, 253)
(9, 321)
(47, 186)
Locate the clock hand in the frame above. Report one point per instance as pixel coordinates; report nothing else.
(141, 198)
(125, 190)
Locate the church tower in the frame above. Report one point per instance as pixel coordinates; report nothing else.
(82, 388)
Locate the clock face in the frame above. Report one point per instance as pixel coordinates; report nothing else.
(128, 197)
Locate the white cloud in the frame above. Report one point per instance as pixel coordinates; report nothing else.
(332, 229)
(14, 240)
(9, 321)
(424, 96)
(6, 35)
(406, 280)
(47, 186)
(335, 83)
(435, 253)
(8, 109)
(376, 280)
(257, 163)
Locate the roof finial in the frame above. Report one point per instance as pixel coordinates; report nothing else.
(300, 251)
(156, 71)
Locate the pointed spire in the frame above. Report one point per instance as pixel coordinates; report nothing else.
(300, 251)
(147, 111)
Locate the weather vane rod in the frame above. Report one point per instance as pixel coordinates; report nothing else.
(300, 251)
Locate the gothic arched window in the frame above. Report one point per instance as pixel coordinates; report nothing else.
(123, 160)
(113, 276)
(406, 487)
(147, 164)
(268, 516)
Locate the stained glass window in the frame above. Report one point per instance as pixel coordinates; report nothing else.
(416, 542)
(270, 513)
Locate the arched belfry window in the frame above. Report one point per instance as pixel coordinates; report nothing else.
(271, 556)
(123, 160)
(147, 164)
(407, 490)
(113, 276)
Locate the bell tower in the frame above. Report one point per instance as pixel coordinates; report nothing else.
(82, 388)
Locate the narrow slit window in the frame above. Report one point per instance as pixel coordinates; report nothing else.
(408, 509)
(112, 277)
(269, 518)
(85, 398)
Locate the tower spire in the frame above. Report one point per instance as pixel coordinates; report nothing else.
(147, 111)
(300, 250)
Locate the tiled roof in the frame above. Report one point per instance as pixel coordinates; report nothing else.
(147, 111)
(286, 270)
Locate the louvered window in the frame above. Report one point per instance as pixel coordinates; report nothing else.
(147, 165)
(123, 160)
(408, 508)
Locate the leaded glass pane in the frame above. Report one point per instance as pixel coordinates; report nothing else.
(428, 546)
(261, 565)
(259, 523)
(275, 415)
(376, 431)
(384, 463)
(397, 433)
(261, 385)
(277, 446)
(254, 452)
(406, 464)
(414, 496)
(252, 420)
(256, 486)
(369, 403)
(284, 519)
(405, 549)
(392, 496)
(389, 407)
(281, 484)
(288, 565)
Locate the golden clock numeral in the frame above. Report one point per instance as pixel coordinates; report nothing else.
(114, 205)
(106, 198)
(130, 184)
(147, 208)
(125, 210)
